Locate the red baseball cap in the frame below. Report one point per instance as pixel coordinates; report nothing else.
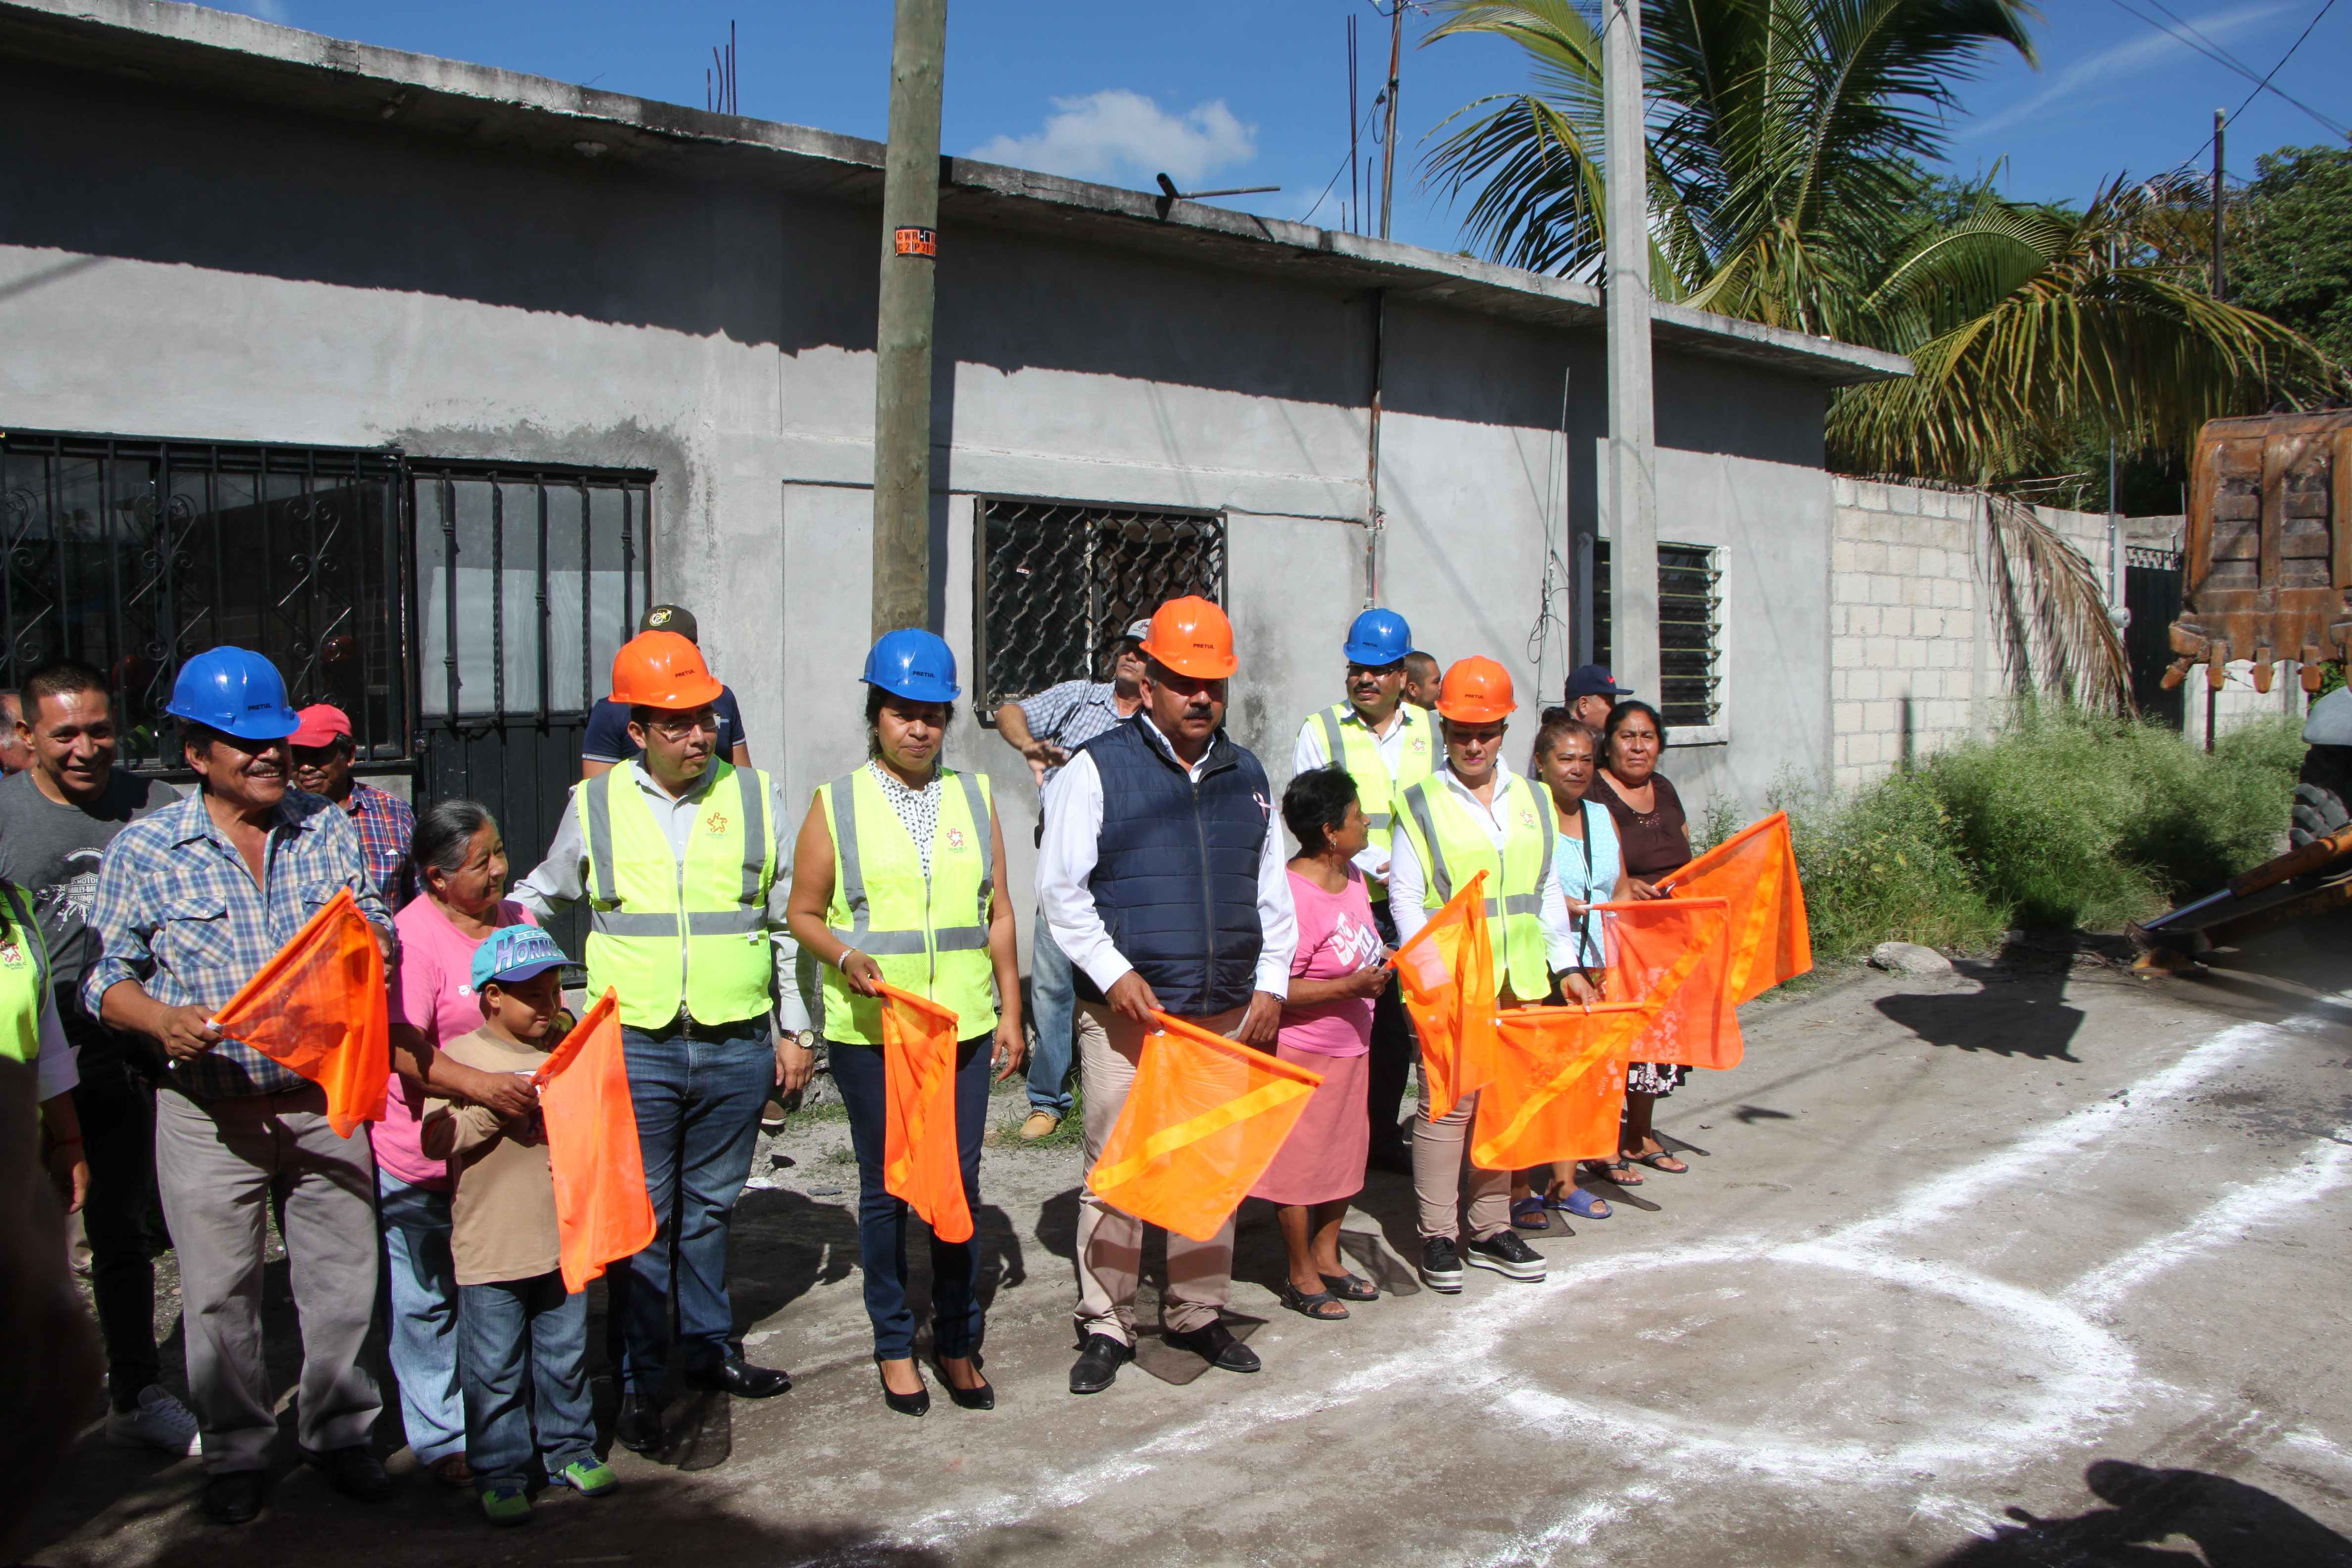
(319, 725)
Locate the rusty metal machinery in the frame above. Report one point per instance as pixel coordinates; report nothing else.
(2269, 554)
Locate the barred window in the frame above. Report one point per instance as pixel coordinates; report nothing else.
(1690, 607)
(1059, 582)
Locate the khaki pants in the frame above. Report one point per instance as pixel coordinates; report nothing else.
(1440, 1154)
(1110, 1241)
(220, 1163)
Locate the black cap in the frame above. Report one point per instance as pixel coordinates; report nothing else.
(670, 618)
(1593, 680)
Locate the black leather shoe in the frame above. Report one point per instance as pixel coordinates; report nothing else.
(739, 1377)
(916, 1403)
(1097, 1365)
(353, 1471)
(638, 1426)
(235, 1497)
(981, 1398)
(1216, 1345)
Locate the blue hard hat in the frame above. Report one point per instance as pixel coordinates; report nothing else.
(1377, 638)
(915, 665)
(235, 692)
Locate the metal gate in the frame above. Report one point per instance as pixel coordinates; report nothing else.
(2152, 595)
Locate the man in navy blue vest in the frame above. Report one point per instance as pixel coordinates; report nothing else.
(1161, 876)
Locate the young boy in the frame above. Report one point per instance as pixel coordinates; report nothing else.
(522, 1340)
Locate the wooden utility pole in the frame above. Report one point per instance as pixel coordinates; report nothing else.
(902, 371)
(1388, 154)
(2221, 276)
(1633, 449)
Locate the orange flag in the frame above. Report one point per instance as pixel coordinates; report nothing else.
(1203, 1120)
(921, 1161)
(1756, 870)
(1559, 1085)
(1446, 973)
(318, 1007)
(1673, 956)
(602, 1211)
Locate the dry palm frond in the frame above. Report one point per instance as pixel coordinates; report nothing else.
(2061, 636)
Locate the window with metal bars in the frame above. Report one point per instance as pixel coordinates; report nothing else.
(135, 554)
(1059, 582)
(1690, 604)
(527, 581)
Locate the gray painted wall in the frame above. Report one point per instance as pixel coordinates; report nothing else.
(184, 265)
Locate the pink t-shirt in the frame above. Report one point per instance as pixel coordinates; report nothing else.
(432, 990)
(1335, 938)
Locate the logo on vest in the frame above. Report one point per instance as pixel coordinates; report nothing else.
(716, 825)
(955, 838)
(1420, 745)
(11, 955)
(1527, 818)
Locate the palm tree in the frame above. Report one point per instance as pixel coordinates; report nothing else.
(1786, 145)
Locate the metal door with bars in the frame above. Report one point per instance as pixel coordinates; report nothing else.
(1060, 581)
(134, 556)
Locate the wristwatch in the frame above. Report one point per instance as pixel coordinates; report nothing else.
(804, 1038)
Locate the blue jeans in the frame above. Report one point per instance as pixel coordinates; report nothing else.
(882, 1219)
(697, 1101)
(1053, 1006)
(424, 1290)
(525, 1370)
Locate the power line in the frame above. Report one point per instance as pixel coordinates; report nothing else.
(2196, 41)
(2315, 20)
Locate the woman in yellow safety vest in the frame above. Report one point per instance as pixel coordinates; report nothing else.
(899, 877)
(30, 1034)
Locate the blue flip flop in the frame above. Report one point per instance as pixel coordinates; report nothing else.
(1582, 1203)
(1528, 1207)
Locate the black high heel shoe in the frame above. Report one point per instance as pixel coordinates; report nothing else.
(981, 1398)
(916, 1403)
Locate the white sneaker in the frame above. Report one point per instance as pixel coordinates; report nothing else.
(159, 1422)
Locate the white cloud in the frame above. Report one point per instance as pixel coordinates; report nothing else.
(1116, 131)
(2109, 66)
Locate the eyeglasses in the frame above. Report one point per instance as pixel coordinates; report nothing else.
(1375, 669)
(679, 729)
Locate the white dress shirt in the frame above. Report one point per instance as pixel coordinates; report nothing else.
(1066, 862)
(561, 879)
(1409, 884)
(1314, 752)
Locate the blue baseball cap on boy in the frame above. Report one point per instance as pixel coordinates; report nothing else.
(515, 953)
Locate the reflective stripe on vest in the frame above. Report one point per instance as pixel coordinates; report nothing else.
(946, 962)
(1355, 748)
(1519, 905)
(715, 955)
(24, 980)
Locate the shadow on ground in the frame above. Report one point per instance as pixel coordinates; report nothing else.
(2235, 1526)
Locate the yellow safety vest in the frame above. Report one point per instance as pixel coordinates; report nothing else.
(1453, 846)
(661, 932)
(24, 981)
(930, 934)
(1355, 748)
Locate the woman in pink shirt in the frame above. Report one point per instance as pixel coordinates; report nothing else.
(1339, 970)
(461, 864)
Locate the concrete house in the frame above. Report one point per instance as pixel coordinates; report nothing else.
(426, 378)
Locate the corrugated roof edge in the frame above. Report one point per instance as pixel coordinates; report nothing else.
(232, 55)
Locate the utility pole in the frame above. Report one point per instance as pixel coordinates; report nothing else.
(1632, 454)
(2220, 277)
(902, 370)
(1388, 157)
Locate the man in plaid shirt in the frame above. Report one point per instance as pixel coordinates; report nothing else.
(322, 765)
(192, 902)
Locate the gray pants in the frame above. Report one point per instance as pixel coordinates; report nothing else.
(219, 1163)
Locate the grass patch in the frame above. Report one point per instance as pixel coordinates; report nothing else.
(2063, 819)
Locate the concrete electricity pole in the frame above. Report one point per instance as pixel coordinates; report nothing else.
(1632, 454)
(902, 371)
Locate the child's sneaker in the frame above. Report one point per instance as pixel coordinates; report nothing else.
(506, 1505)
(589, 1478)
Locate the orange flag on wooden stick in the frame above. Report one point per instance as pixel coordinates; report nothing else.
(602, 1211)
(318, 1007)
(1756, 870)
(1446, 973)
(1203, 1120)
(1559, 1085)
(921, 1161)
(1673, 955)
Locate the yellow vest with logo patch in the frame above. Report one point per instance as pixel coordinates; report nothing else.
(24, 980)
(1454, 846)
(1354, 747)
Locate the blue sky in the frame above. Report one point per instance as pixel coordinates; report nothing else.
(1251, 92)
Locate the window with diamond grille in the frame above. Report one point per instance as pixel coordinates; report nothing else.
(1059, 582)
(1690, 604)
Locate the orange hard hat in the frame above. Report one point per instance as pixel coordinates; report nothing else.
(662, 669)
(1476, 691)
(1192, 637)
